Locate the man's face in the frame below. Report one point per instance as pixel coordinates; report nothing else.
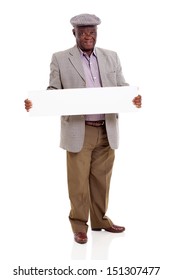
(85, 37)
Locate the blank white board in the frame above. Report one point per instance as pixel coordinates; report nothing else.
(82, 101)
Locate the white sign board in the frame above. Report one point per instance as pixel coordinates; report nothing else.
(82, 101)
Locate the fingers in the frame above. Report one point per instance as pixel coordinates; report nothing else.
(28, 104)
(137, 101)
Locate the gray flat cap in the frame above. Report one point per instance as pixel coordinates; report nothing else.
(85, 20)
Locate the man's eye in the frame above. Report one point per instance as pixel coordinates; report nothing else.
(89, 34)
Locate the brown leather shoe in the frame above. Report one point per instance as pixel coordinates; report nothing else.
(80, 237)
(113, 228)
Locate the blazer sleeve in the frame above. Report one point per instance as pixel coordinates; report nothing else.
(54, 79)
(119, 74)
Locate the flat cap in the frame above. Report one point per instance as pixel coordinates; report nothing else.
(85, 20)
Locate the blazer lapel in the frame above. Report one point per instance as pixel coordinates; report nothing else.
(74, 57)
(101, 62)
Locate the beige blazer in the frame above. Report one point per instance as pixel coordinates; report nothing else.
(67, 72)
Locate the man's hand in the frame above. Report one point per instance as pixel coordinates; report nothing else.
(28, 104)
(137, 101)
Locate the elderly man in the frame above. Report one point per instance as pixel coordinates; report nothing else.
(89, 140)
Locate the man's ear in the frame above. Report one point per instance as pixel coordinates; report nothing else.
(73, 30)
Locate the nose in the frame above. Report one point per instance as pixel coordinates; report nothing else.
(88, 35)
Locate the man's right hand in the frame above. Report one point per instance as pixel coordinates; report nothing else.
(28, 104)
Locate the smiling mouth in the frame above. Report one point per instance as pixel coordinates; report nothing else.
(88, 42)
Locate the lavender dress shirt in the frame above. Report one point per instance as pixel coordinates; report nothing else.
(92, 77)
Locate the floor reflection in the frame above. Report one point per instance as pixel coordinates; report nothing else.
(98, 246)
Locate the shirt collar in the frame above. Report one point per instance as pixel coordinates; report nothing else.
(83, 53)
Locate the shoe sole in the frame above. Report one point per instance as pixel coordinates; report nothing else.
(81, 242)
(99, 229)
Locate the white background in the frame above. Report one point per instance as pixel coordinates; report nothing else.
(34, 203)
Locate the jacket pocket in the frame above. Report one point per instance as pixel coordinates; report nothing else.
(111, 76)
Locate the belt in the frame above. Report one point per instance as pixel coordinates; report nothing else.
(95, 123)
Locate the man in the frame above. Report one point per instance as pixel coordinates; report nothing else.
(90, 140)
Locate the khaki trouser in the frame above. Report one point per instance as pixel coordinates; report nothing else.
(89, 173)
